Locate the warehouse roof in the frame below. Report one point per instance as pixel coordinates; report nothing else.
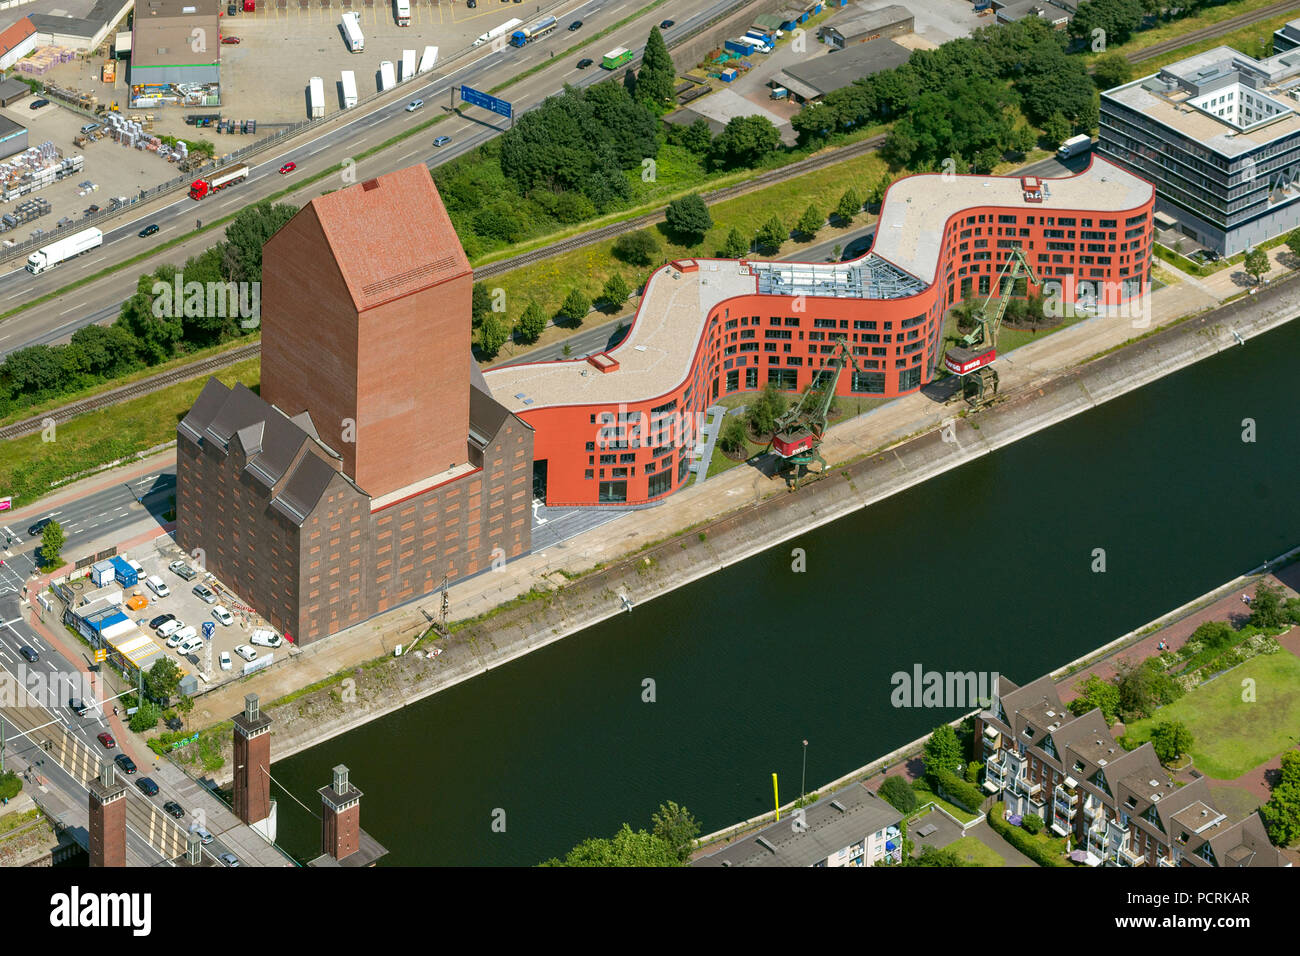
(16, 34)
(870, 21)
(162, 33)
(833, 71)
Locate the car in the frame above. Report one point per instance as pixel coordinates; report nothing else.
(182, 570)
(37, 528)
(148, 230)
(265, 637)
(414, 105)
(174, 808)
(228, 858)
(246, 652)
(91, 209)
(125, 763)
(585, 62)
(471, 3)
(107, 740)
(225, 660)
(222, 615)
(204, 594)
(204, 836)
(232, 10)
(160, 620)
(29, 655)
(157, 585)
(89, 128)
(38, 104)
(79, 706)
(147, 786)
(665, 24)
(575, 25)
(288, 168)
(229, 40)
(178, 636)
(168, 628)
(442, 141)
(190, 645)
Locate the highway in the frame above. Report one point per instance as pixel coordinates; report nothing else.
(99, 301)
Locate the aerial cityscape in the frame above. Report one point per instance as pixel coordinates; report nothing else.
(705, 433)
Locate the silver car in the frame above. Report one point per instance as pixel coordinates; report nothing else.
(205, 594)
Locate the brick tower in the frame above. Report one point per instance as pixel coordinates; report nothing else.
(366, 327)
(252, 763)
(107, 819)
(340, 826)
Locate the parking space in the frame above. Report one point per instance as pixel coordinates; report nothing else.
(938, 21)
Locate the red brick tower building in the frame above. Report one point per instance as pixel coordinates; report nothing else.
(107, 819)
(252, 763)
(340, 826)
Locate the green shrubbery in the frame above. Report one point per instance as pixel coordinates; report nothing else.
(898, 793)
(1035, 849)
(952, 787)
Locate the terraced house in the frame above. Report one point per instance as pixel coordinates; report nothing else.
(1118, 807)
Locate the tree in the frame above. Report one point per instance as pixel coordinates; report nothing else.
(676, 827)
(1116, 19)
(772, 234)
(938, 856)
(1171, 739)
(736, 246)
(1256, 263)
(1266, 608)
(898, 793)
(763, 412)
(162, 680)
(655, 79)
(1213, 635)
(492, 335)
(636, 248)
(480, 302)
(52, 541)
(1144, 688)
(146, 717)
(1095, 693)
(744, 142)
(1111, 70)
(695, 138)
(1281, 814)
(732, 438)
(575, 308)
(689, 216)
(185, 705)
(850, 205)
(877, 194)
(1056, 129)
(532, 323)
(1031, 823)
(1293, 242)
(626, 848)
(246, 234)
(10, 785)
(616, 290)
(810, 222)
(941, 751)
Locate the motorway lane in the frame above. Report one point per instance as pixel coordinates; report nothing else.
(100, 301)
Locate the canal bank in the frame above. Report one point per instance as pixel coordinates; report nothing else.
(383, 686)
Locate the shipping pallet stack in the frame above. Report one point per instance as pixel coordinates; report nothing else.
(131, 132)
(35, 168)
(25, 211)
(45, 58)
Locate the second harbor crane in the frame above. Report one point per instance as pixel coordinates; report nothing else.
(973, 358)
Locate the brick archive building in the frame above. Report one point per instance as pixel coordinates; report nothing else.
(375, 461)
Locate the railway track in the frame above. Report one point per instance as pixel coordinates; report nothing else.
(58, 416)
(1217, 29)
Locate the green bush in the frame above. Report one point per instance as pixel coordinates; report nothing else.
(10, 785)
(1032, 824)
(146, 717)
(898, 793)
(973, 771)
(952, 787)
(1022, 841)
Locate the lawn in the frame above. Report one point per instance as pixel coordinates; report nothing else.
(1208, 17)
(1231, 735)
(926, 796)
(29, 466)
(976, 851)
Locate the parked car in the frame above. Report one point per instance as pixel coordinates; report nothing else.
(222, 615)
(126, 764)
(225, 660)
(157, 585)
(230, 39)
(246, 652)
(182, 570)
(160, 620)
(204, 836)
(147, 786)
(442, 141)
(471, 3)
(190, 645)
(174, 808)
(414, 105)
(575, 25)
(37, 528)
(148, 231)
(168, 628)
(204, 594)
(38, 104)
(585, 62)
(228, 858)
(176, 637)
(29, 655)
(107, 740)
(265, 637)
(288, 168)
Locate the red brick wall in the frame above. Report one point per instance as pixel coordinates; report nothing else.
(252, 756)
(108, 831)
(340, 832)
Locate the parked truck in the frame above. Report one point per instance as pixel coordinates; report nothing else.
(316, 97)
(498, 31)
(428, 59)
(219, 180)
(408, 65)
(387, 78)
(403, 13)
(50, 256)
(352, 34)
(1074, 146)
(349, 89)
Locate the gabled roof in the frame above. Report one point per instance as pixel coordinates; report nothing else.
(16, 34)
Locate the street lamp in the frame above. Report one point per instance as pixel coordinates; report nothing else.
(804, 776)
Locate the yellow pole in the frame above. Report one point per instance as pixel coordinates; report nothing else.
(776, 797)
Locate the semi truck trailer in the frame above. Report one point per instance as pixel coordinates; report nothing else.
(408, 65)
(219, 180)
(387, 78)
(403, 13)
(50, 256)
(316, 97)
(498, 31)
(352, 34)
(428, 59)
(349, 89)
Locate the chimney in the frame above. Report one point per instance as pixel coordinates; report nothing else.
(107, 819)
(252, 763)
(340, 829)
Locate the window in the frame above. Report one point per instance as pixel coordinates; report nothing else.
(871, 383)
(612, 491)
(784, 378)
(778, 334)
(659, 484)
(751, 378)
(859, 324)
(823, 323)
(790, 320)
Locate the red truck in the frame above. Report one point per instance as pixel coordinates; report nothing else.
(219, 180)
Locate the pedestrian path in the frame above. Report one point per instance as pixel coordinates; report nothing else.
(708, 440)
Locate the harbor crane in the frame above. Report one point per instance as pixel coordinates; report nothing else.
(799, 431)
(973, 359)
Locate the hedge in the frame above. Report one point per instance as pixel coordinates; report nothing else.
(1021, 840)
(965, 795)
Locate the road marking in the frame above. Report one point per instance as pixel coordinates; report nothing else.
(74, 308)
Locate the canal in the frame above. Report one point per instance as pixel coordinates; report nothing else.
(988, 568)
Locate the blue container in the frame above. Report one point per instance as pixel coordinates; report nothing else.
(125, 574)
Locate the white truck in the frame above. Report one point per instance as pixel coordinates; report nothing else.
(352, 34)
(408, 65)
(349, 89)
(1074, 146)
(50, 256)
(316, 97)
(387, 79)
(403, 13)
(428, 60)
(498, 31)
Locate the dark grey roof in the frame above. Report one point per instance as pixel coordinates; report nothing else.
(836, 821)
(476, 378)
(870, 21)
(486, 414)
(70, 26)
(205, 407)
(369, 850)
(834, 71)
(298, 498)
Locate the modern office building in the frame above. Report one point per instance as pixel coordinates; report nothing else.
(1218, 134)
(176, 53)
(374, 463)
(1118, 807)
(618, 427)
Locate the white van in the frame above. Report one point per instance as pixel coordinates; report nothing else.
(168, 628)
(190, 645)
(265, 637)
(247, 653)
(157, 585)
(222, 615)
(187, 633)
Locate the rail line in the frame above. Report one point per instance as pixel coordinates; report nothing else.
(1223, 26)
